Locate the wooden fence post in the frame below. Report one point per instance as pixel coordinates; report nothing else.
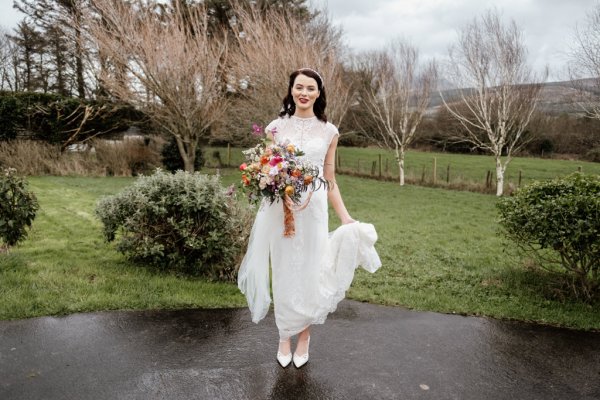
(228, 155)
(520, 177)
(448, 174)
(434, 170)
(379, 166)
(373, 167)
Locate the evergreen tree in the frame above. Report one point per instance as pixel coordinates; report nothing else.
(221, 16)
(30, 45)
(59, 60)
(61, 20)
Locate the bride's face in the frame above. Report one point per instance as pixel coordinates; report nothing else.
(305, 92)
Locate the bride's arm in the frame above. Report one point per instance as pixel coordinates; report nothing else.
(269, 135)
(334, 192)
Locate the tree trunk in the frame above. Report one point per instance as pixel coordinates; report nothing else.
(499, 176)
(400, 161)
(79, 56)
(191, 158)
(188, 164)
(184, 152)
(28, 77)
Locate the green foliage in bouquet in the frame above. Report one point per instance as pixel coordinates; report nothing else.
(18, 207)
(558, 222)
(179, 222)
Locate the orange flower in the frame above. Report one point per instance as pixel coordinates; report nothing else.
(245, 180)
(290, 148)
(296, 173)
(308, 179)
(264, 160)
(289, 190)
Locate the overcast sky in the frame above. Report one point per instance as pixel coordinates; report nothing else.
(432, 24)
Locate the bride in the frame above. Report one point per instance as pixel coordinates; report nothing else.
(312, 269)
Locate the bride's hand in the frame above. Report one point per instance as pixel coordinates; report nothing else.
(288, 201)
(347, 220)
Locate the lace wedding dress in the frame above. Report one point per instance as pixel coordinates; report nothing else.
(312, 270)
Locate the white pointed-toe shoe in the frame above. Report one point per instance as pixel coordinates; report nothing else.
(299, 361)
(284, 360)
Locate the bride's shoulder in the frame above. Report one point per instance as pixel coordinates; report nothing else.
(331, 128)
(276, 123)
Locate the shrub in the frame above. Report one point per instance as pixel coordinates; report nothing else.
(130, 156)
(54, 118)
(559, 223)
(114, 158)
(8, 121)
(593, 154)
(171, 158)
(31, 157)
(17, 208)
(181, 222)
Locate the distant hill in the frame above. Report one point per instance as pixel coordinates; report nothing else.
(555, 98)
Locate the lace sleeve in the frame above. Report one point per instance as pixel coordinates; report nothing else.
(273, 125)
(332, 132)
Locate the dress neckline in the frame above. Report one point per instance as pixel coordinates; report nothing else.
(304, 118)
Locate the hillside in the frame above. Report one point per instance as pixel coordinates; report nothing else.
(556, 97)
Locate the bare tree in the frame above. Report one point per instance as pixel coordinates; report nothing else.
(584, 65)
(172, 66)
(273, 42)
(8, 56)
(499, 92)
(395, 94)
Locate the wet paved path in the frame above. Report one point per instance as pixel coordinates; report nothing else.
(363, 351)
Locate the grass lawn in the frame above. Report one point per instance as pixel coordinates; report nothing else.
(440, 251)
(65, 266)
(463, 167)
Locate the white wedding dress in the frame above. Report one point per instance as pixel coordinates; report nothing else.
(312, 270)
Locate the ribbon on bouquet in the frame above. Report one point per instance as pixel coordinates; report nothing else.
(289, 226)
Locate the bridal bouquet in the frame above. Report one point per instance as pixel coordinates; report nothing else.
(275, 170)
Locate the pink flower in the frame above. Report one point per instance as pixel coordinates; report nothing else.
(257, 130)
(275, 160)
(243, 167)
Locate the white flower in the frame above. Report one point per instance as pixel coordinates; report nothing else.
(263, 182)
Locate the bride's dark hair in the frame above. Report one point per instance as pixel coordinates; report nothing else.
(289, 107)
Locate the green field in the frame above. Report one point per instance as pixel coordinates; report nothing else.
(65, 266)
(464, 168)
(440, 251)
